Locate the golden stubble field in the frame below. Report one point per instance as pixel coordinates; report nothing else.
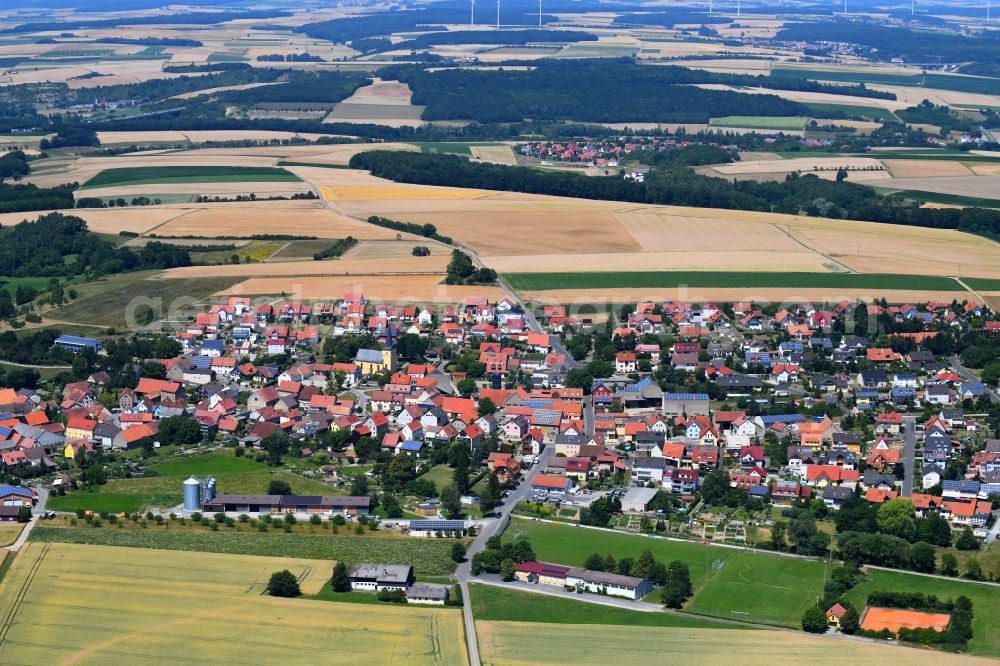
(65, 603)
(523, 643)
(515, 232)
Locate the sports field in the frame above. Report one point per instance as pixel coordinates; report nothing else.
(64, 603)
(525, 643)
(188, 174)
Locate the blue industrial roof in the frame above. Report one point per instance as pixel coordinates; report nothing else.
(7, 489)
(771, 419)
(442, 525)
(75, 340)
(538, 403)
(685, 396)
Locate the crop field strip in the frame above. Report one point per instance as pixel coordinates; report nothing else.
(721, 279)
(206, 609)
(188, 174)
(524, 643)
(429, 556)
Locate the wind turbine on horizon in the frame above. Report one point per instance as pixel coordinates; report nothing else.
(539, 13)
(472, 13)
(498, 14)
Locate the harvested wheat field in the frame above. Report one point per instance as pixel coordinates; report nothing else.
(528, 231)
(987, 187)
(984, 169)
(108, 220)
(800, 164)
(248, 219)
(384, 288)
(228, 190)
(382, 102)
(66, 603)
(403, 192)
(524, 643)
(814, 97)
(796, 261)
(926, 168)
(200, 136)
(494, 154)
(393, 249)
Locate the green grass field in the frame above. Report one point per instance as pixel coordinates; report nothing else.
(10, 284)
(867, 112)
(491, 603)
(203, 174)
(751, 587)
(212, 463)
(707, 279)
(985, 602)
(100, 303)
(428, 556)
(111, 502)
(440, 475)
(163, 484)
(761, 122)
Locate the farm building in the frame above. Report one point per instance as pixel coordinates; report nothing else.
(8, 514)
(75, 343)
(430, 528)
(541, 572)
(16, 496)
(427, 594)
(614, 585)
(637, 500)
(379, 577)
(552, 484)
(318, 504)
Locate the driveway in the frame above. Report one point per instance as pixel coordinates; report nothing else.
(43, 497)
(464, 571)
(909, 454)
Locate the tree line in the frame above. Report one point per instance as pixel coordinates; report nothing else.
(61, 245)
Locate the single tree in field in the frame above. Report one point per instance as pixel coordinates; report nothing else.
(278, 487)
(851, 621)
(340, 582)
(814, 620)
(678, 587)
(508, 569)
(283, 584)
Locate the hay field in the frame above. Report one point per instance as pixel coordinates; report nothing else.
(384, 288)
(815, 97)
(517, 643)
(860, 168)
(530, 233)
(108, 220)
(986, 187)
(98, 605)
(381, 102)
(247, 219)
(985, 169)
(84, 168)
(392, 249)
(494, 154)
(928, 168)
